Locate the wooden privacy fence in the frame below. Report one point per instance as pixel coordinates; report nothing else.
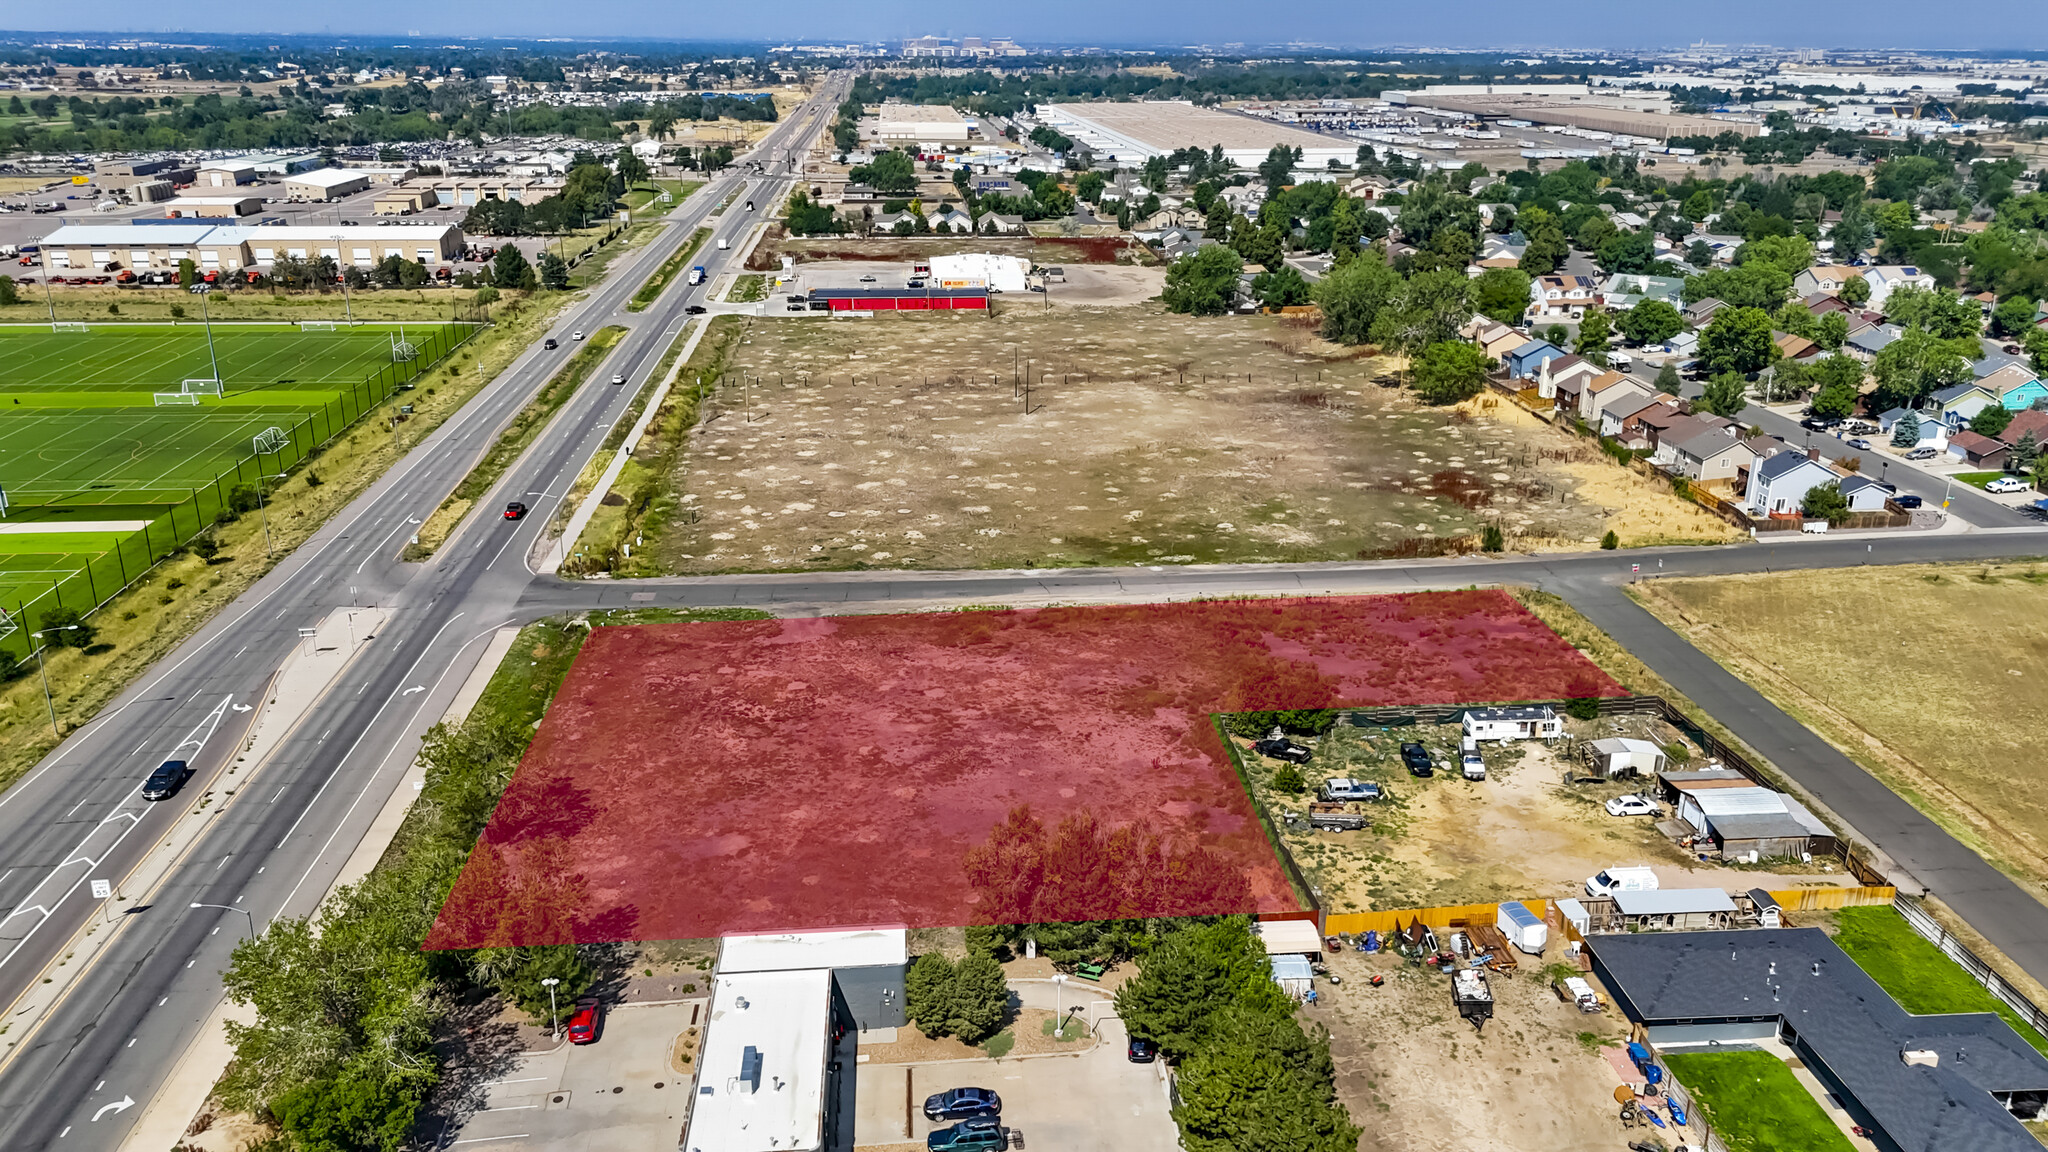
(1448, 916)
(1828, 899)
(1979, 971)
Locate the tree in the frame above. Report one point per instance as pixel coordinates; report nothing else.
(1547, 246)
(807, 217)
(978, 1000)
(1837, 382)
(1203, 283)
(1353, 297)
(66, 628)
(188, 273)
(1594, 330)
(1698, 206)
(554, 272)
(1277, 169)
(1826, 502)
(892, 171)
(1501, 293)
(1937, 310)
(1916, 365)
(1856, 291)
(1755, 285)
(1262, 1085)
(1450, 371)
(2023, 454)
(509, 269)
(1287, 779)
(2036, 345)
(1651, 322)
(1431, 208)
(1990, 422)
(1631, 252)
(1830, 331)
(1427, 308)
(8, 294)
(1906, 430)
(1725, 395)
(1738, 340)
(1790, 254)
(1280, 288)
(1188, 978)
(2014, 316)
(631, 168)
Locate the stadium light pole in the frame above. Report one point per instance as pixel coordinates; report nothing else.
(47, 701)
(347, 309)
(206, 315)
(48, 299)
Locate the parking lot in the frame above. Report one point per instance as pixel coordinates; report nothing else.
(620, 1092)
(1095, 1101)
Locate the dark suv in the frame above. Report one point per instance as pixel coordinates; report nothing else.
(1286, 750)
(1416, 757)
(963, 1104)
(165, 781)
(969, 1135)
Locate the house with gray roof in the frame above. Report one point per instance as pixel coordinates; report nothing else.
(1866, 493)
(1866, 344)
(1714, 455)
(1778, 484)
(1958, 403)
(1954, 1082)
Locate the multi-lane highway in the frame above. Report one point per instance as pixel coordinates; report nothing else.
(274, 848)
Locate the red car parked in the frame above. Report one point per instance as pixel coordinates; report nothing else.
(584, 1024)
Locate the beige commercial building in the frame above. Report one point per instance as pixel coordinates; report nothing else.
(231, 247)
(213, 207)
(404, 201)
(919, 124)
(225, 174)
(462, 192)
(325, 184)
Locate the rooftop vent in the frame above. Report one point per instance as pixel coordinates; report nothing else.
(750, 1069)
(1924, 1057)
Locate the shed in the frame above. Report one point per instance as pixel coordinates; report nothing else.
(1624, 756)
(1516, 723)
(1768, 912)
(1760, 835)
(1292, 974)
(1574, 914)
(1697, 806)
(1684, 909)
(1290, 938)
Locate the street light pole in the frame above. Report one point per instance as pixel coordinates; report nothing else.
(347, 309)
(47, 298)
(232, 908)
(554, 1025)
(48, 702)
(206, 316)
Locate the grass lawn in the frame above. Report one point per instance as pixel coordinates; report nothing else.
(1756, 1104)
(1976, 479)
(1915, 972)
(158, 357)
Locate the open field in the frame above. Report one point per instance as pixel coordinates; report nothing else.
(154, 357)
(154, 304)
(901, 441)
(1876, 661)
(954, 737)
(1755, 1103)
(1526, 830)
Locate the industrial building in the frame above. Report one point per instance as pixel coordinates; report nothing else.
(919, 124)
(323, 184)
(1957, 1082)
(899, 299)
(1572, 105)
(465, 191)
(205, 207)
(1129, 133)
(225, 174)
(403, 201)
(775, 1071)
(231, 247)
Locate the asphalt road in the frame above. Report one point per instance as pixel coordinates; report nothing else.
(274, 847)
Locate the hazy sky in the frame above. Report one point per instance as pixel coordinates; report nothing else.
(1981, 24)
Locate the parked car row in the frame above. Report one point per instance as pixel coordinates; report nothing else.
(978, 1114)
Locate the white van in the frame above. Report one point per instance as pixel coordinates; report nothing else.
(1636, 879)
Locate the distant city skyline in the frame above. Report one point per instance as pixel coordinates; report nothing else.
(1988, 26)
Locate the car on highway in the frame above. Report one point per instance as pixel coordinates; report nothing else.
(1416, 757)
(695, 310)
(165, 781)
(1927, 453)
(618, 377)
(1907, 500)
(1817, 424)
(1286, 750)
(867, 279)
(963, 1104)
(549, 344)
(1632, 805)
(2006, 484)
(1141, 1051)
(968, 1136)
(588, 1020)
(575, 335)
(514, 510)
(1860, 445)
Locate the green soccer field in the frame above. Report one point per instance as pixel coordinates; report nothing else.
(106, 455)
(160, 357)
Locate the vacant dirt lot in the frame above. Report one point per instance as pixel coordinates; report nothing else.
(1933, 678)
(1526, 830)
(903, 441)
(1415, 1076)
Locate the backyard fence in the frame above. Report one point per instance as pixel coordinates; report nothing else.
(1979, 971)
(192, 509)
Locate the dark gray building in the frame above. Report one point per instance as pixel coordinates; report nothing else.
(1947, 1083)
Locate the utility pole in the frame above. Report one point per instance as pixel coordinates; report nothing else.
(206, 314)
(348, 310)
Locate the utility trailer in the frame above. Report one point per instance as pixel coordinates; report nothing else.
(1472, 996)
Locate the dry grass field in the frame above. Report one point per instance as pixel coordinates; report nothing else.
(902, 441)
(1933, 678)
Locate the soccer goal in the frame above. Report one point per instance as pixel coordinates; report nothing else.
(318, 325)
(173, 399)
(271, 439)
(403, 350)
(202, 387)
(8, 627)
(69, 326)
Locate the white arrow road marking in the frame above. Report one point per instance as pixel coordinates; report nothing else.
(245, 707)
(97, 845)
(413, 689)
(118, 1106)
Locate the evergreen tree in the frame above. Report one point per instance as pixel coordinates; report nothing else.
(509, 269)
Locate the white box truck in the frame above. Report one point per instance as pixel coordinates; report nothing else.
(1523, 928)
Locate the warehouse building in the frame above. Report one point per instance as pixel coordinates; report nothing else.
(899, 299)
(463, 192)
(403, 201)
(231, 247)
(205, 207)
(1129, 133)
(919, 124)
(225, 174)
(1955, 1082)
(323, 184)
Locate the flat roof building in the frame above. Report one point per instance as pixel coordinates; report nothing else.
(919, 124)
(1129, 133)
(326, 184)
(210, 206)
(224, 174)
(761, 1079)
(228, 247)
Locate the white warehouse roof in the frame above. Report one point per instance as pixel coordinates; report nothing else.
(1738, 801)
(761, 1087)
(790, 951)
(127, 235)
(329, 177)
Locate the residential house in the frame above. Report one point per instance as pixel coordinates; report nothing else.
(1866, 493)
(1608, 391)
(1933, 429)
(993, 223)
(1957, 404)
(1523, 362)
(1562, 373)
(1791, 347)
(1982, 451)
(1559, 296)
(2016, 387)
(1625, 290)
(2032, 420)
(1670, 433)
(1711, 456)
(1778, 484)
(1629, 421)
(1702, 313)
(1820, 304)
(1497, 340)
(1885, 278)
(1824, 279)
(1498, 251)
(1653, 426)
(1866, 343)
